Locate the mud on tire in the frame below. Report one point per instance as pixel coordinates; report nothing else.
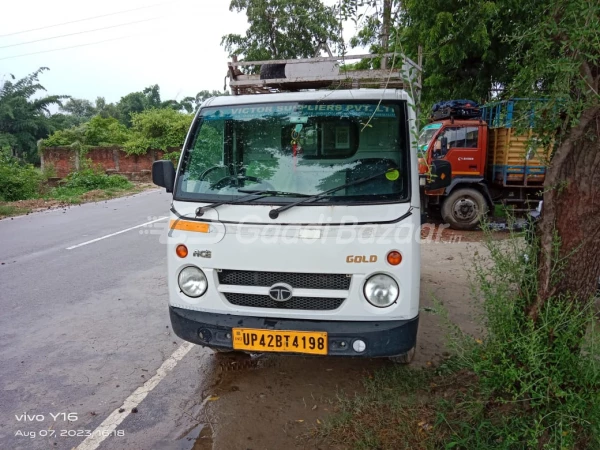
(405, 358)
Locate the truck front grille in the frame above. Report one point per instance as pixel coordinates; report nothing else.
(264, 301)
(296, 280)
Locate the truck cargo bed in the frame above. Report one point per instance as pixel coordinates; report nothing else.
(516, 159)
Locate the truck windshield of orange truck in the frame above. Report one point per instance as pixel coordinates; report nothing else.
(427, 134)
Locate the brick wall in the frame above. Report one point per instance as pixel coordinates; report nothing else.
(112, 159)
(62, 159)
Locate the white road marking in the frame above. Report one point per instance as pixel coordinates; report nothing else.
(114, 234)
(114, 420)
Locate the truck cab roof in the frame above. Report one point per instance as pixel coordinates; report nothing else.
(312, 96)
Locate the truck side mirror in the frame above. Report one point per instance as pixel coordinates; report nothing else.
(444, 145)
(163, 174)
(441, 175)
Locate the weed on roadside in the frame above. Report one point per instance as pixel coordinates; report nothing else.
(88, 184)
(11, 210)
(526, 385)
(23, 188)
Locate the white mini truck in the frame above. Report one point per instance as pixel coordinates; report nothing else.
(295, 224)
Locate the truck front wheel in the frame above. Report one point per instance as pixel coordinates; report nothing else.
(405, 358)
(464, 208)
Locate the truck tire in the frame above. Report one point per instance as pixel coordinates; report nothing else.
(464, 208)
(405, 358)
(270, 71)
(277, 71)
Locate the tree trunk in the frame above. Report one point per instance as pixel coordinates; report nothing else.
(571, 210)
(385, 30)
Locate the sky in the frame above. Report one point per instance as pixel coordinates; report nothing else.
(172, 43)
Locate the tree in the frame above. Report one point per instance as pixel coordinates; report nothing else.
(191, 104)
(557, 55)
(132, 103)
(464, 46)
(539, 357)
(152, 94)
(60, 121)
(204, 95)
(187, 104)
(106, 110)
(157, 129)
(23, 117)
(105, 132)
(283, 29)
(548, 49)
(80, 109)
(375, 24)
(149, 98)
(465, 50)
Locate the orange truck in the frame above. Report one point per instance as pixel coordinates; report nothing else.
(495, 159)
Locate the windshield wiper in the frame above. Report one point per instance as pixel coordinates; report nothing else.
(274, 213)
(254, 195)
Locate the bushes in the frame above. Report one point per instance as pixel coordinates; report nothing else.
(547, 372)
(525, 385)
(159, 129)
(17, 181)
(98, 131)
(538, 382)
(90, 179)
(20, 181)
(76, 185)
(105, 132)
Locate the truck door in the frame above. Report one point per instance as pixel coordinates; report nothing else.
(463, 150)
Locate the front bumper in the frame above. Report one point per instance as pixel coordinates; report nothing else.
(383, 338)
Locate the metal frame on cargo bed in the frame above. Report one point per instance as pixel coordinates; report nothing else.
(323, 72)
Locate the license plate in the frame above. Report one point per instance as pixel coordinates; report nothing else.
(251, 339)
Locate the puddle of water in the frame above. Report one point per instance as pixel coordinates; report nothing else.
(198, 438)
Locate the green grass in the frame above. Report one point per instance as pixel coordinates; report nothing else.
(24, 188)
(76, 195)
(500, 211)
(66, 196)
(391, 414)
(12, 210)
(526, 385)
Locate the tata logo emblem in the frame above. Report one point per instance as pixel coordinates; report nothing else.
(280, 292)
(203, 254)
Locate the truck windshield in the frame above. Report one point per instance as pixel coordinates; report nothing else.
(297, 149)
(426, 134)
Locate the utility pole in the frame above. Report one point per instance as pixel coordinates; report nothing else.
(385, 30)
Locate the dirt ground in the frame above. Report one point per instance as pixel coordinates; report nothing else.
(276, 402)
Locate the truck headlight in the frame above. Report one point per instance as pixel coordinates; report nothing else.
(192, 281)
(381, 290)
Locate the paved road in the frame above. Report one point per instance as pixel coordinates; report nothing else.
(82, 328)
(84, 331)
